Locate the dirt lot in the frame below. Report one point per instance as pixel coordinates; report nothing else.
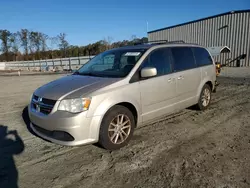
(188, 149)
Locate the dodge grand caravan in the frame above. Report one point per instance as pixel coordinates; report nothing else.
(121, 89)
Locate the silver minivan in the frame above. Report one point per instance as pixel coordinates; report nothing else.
(121, 89)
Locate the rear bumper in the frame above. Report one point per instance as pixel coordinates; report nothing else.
(215, 86)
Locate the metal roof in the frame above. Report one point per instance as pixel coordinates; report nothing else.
(226, 13)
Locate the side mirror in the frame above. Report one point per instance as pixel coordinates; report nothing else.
(148, 72)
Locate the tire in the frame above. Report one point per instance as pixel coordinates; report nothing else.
(108, 138)
(206, 90)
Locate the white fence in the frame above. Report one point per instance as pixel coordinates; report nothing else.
(62, 63)
(2, 66)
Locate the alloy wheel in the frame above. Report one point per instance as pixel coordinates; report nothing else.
(206, 96)
(119, 129)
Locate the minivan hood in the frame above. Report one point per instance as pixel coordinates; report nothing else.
(73, 86)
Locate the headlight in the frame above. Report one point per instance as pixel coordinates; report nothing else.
(74, 105)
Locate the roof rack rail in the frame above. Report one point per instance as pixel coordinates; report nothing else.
(177, 41)
(160, 42)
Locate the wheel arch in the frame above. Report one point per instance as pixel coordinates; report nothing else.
(131, 103)
(210, 84)
(205, 81)
(129, 106)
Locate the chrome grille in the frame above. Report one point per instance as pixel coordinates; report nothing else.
(42, 105)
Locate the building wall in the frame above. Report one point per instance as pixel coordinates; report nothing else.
(232, 30)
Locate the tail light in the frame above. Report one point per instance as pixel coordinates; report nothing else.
(217, 68)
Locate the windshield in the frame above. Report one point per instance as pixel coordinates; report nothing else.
(112, 63)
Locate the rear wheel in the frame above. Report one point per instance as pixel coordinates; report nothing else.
(117, 128)
(205, 97)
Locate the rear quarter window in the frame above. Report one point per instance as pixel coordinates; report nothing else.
(202, 57)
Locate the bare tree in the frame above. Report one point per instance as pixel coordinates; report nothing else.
(37, 42)
(15, 43)
(32, 41)
(107, 42)
(5, 38)
(52, 43)
(63, 43)
(133, 37)
(24, 37)
(44, 39)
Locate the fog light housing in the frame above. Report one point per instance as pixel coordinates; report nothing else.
(63, 136)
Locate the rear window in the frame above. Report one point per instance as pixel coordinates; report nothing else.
(202, 57)
(183, 58)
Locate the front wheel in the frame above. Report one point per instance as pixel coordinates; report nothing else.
(205, 97)
(117, 128)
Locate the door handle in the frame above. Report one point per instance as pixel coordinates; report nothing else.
(180, 78)
(170, 79)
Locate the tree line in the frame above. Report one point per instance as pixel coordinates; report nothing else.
(26, 45)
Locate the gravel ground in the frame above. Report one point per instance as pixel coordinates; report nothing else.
(187, 149)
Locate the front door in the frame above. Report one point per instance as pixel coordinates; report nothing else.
(158, 93)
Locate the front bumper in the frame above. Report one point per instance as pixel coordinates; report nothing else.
(65, 128)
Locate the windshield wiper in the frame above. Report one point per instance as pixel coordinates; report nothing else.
(85, 73)
(76, 73)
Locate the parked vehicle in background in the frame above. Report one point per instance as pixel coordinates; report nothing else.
(121, 89)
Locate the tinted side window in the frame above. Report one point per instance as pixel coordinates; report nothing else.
(183, 58)
(160, 59)
(128, 60)
(202, 57)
